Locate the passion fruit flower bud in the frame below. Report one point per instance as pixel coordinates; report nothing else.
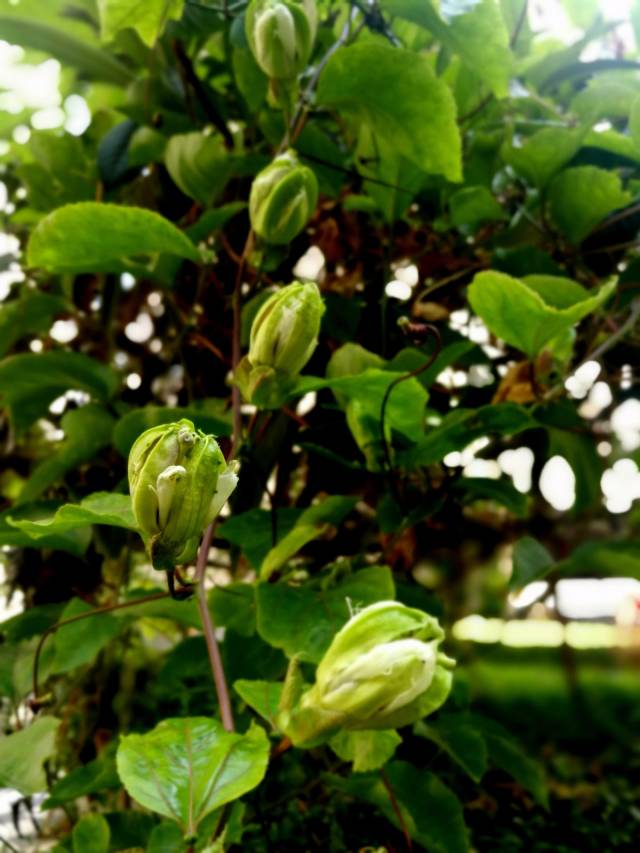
(281, 35)
(283, 196)
(285, 330)
(382, 670)
(179, 482)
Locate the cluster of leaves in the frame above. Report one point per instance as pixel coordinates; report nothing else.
(495, 171)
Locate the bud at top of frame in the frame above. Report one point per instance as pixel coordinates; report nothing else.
(285, 330)
(281, 35)
(283, 196)
(179, 481)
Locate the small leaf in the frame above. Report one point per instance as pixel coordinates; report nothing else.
(23, 753)
(263, 696)
(199, 165)
(302, 620)
(186, 768)
(473, 206)
(99, 508)
(456, 734)
(544, 153)
(146, 17)
(528, 313)
(105, 237)
(396, 93)
(29, 382)
(531, 561)
(368, 750)
(92, 778)
(166, 838)
(91, 835)
(312, 524)
(580, 198)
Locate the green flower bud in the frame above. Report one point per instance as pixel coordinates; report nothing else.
(284, 333)
(383, 670)
(283, 197)
(281, 35)
(179, 482)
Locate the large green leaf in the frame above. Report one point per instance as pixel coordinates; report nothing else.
(87, 431)
(528, 313)
(29, 382)
(107, 508)
(303, 619)
(104, 237)
(146, 17)
(396, 92)
(431, 812)
(313, 523)
(186, 768)
(22, 755)
(31, 314)
(68, 49)
(580, 198)
(474, 30)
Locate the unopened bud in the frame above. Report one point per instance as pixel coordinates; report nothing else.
(179, 481)
(282, 199)
(383, 670)
(284, 333)
(281, 35)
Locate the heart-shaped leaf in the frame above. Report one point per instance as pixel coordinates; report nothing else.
(529, 312)
(186, 768)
